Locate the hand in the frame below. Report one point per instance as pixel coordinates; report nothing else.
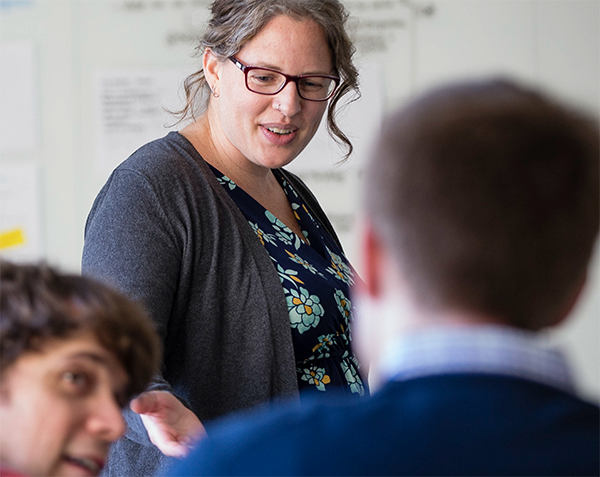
(171, 426)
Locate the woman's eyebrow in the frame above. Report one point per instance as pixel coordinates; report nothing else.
(278, 69)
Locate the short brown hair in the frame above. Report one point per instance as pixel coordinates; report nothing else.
(487, 193)
(37, 303)
(233, 23)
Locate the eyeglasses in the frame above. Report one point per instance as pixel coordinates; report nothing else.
(267, 81)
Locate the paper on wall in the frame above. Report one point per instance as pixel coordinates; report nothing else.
(18, 100)
(129, 112)
(20, 218)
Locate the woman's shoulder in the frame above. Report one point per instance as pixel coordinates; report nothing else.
(168, 168)
(165, 159)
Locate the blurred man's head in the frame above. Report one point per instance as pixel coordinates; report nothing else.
(73, 353)
(485, 197)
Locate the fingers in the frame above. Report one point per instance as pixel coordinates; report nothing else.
(171, 426)
(165, 439)
(145, 403)
(173, 448)
(196, 434)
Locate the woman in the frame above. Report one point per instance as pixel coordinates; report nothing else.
(224, 247)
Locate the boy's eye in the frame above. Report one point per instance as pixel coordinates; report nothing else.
(76, 382)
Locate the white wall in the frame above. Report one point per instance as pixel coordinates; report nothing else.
(404, 47)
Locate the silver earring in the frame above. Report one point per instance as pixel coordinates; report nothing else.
(214, 93)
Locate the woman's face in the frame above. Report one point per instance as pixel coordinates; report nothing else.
(270, 131)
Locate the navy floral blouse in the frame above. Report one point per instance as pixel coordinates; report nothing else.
(316, 280)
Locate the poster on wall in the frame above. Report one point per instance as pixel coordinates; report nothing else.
(18, 98)
(131, 109)
(20, 218)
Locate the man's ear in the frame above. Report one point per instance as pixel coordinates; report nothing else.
(373, 260)
(568, 308)
(212, 70)
(5, 384)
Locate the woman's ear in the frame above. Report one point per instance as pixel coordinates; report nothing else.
(212, 70)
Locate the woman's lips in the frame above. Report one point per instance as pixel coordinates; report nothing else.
(279, 134)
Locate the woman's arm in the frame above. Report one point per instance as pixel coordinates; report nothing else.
(132, 243)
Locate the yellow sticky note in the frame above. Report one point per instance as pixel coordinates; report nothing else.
(12, 238)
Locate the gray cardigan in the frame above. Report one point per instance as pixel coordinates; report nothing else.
(163, 231)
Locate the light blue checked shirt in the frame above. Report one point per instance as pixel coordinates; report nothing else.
(482, 349)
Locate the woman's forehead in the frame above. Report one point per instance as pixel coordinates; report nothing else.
(286, 43)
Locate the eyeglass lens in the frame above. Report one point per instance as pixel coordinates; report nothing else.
(271, 82)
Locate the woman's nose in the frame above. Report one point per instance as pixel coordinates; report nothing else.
(288, 102)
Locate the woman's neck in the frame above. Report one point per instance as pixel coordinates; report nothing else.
(258, 181)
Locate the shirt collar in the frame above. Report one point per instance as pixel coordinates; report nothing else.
(485, 349)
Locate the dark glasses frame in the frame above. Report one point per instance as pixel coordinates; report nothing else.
(247, 68)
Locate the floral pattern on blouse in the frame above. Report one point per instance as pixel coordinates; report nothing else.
(262, 236)
(305, 309)
(226, 181)
(340, 269)
(316, 279)
(315, 376)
